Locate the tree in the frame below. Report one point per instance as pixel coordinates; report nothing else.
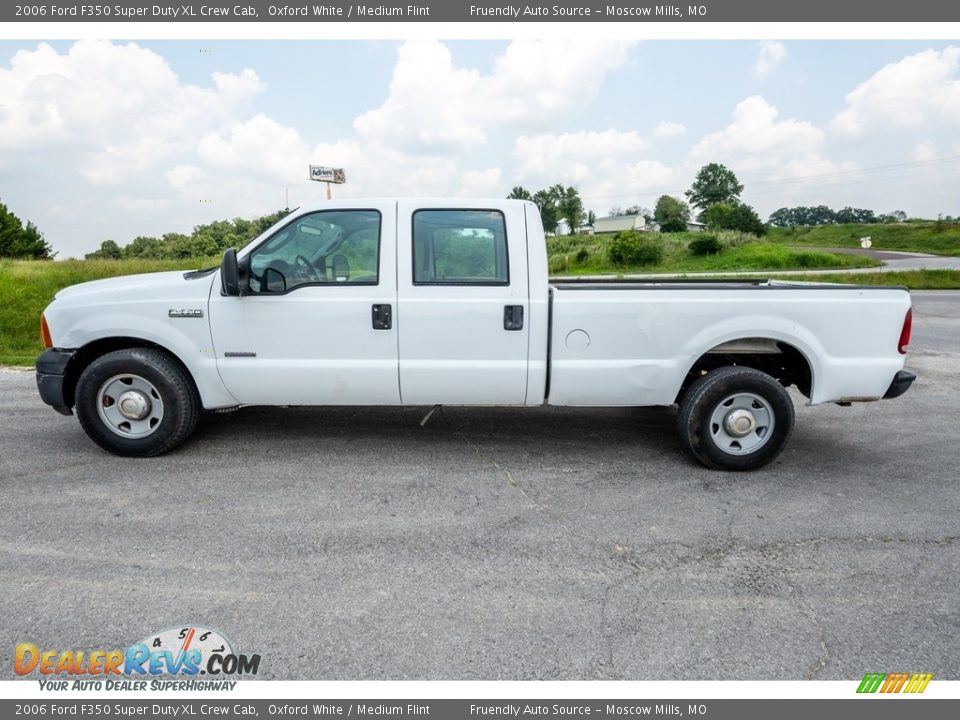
(569, 205)
(672, 214)
(646, 213)
(143, 246)
(109, 250)
(519, 193)
(714, 183)
(19, 241)
(734, 216)
(591, 217)
(556, 203)
(719, 216)
(549, 215)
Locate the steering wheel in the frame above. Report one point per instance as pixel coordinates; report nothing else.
(306, 268)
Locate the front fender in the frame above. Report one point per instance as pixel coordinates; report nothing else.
(188, 339)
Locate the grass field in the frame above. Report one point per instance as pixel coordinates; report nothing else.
(934, 238)
(913, 279)
(590, 255)
(26, 287)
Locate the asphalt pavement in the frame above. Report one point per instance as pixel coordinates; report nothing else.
(501, 543)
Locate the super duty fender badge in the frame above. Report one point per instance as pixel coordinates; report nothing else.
(185, 313)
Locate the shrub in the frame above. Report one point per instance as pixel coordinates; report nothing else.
(705, 245)
(629, 247)
(582, 256)
(735, 216)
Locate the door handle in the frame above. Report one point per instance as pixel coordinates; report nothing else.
(382, 317)
(513, 317)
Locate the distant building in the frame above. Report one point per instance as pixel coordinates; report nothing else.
(616, 223)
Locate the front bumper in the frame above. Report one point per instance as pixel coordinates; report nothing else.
(901, 383)
(51, 373)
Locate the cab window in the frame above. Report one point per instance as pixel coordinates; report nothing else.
(460, 247)
(330, 247)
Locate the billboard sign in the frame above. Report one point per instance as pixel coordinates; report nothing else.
(327, 174)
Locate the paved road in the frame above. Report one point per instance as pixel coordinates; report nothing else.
(501, 544)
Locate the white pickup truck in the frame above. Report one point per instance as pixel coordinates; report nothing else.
(448, 302)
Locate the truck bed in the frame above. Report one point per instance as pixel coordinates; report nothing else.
(638, 345)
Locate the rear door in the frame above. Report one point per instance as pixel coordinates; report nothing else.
(463, 304)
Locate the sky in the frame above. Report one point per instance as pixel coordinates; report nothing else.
(113, 139)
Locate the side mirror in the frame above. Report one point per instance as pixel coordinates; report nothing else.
(230, 273)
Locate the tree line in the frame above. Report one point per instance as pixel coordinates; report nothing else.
(21, 241)
(822, 215)
(556, 203)
(207, 240)
(715, 192)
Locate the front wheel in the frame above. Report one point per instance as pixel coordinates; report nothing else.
(138, 402)
(735, 418)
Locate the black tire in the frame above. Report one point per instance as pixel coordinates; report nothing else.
(713, 441)
(172, 390)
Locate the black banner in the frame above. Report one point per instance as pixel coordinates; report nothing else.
(461, 11)
(874, 708)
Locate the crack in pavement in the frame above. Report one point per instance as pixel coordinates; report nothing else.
(811, 616)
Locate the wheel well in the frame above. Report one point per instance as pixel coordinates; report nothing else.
(776, 358)
(98, 348)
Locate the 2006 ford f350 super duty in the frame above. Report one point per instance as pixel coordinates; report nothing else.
(447, 302)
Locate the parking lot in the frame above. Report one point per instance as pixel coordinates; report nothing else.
(501, 543)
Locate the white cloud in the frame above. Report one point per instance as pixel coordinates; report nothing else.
(375, 169)
(114, 110)
(770, 56)
(574, 156)
(757, 142)
(481, 183)
(607, 167)
(434, 105)
(185, 177)
(918, 91)
(924, 151)
(260, 146)
(665, 129)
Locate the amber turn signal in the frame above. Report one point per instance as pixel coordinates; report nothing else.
(45, 333)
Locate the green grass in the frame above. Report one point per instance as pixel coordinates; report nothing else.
(589, 255)
(925, 237)
(913, 279)
(27, 287)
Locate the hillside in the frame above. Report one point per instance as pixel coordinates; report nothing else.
(937, 238)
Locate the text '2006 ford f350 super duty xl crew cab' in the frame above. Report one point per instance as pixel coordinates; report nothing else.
(448, 302)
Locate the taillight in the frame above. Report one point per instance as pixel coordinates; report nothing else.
(905, 332)
(45, 333)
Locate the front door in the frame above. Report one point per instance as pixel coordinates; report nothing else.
(463, 305)
(315, 325)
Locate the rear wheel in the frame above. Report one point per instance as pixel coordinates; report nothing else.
(137, 402)
(735, 418)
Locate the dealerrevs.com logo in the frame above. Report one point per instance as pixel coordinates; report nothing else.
(909, 683)
(184, 652)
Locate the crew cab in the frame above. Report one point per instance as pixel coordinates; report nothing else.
(448, 302)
